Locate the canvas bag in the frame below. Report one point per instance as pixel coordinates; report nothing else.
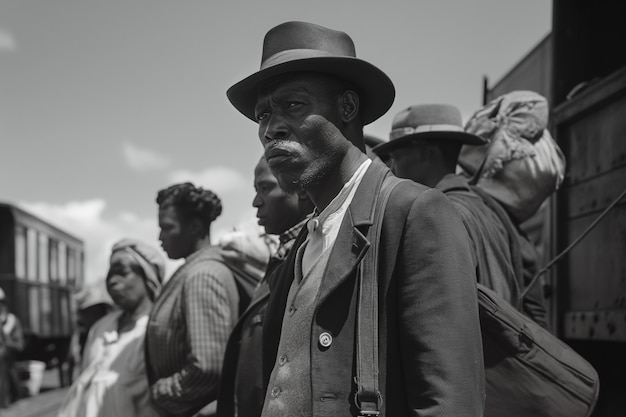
(528, 370)
(246, 282)
(246, 251)
(521, 165)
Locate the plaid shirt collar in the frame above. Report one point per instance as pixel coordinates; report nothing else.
(288, 238)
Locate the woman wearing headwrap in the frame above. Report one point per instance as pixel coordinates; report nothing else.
(113, 381)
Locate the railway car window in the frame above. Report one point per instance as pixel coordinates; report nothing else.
(33, 309)
(46, 311)
(64, 311)
(31, 254)
(71, 265)
(80, 260)
(54, 260)
(44, 266)
(20, 252)
(62, 262)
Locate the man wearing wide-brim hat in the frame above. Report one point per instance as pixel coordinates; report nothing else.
(424, 145)
(311, 99)
(423, 142)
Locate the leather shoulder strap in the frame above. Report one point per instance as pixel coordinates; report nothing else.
(368, 398)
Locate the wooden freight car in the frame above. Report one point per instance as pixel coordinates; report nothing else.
(581, 68)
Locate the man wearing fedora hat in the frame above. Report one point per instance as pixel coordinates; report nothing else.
(424, 145)
(311, 99)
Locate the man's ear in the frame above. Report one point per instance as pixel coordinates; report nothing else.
(349, 106)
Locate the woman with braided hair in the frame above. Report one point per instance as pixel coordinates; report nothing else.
(192, 319)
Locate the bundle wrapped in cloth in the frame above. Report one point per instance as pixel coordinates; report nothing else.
(521, 165)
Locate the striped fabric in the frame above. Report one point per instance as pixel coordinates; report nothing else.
(187, 334)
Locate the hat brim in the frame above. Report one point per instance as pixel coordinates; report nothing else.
(462, 137)
(376, 91)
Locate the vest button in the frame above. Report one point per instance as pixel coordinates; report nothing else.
(282, 360)
(275, 392)
(325, 339)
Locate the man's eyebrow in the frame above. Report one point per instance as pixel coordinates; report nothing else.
(279, 95)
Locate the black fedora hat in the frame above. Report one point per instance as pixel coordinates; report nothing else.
(427, 121)
(300, 46)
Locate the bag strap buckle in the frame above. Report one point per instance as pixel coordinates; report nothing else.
(368, 403)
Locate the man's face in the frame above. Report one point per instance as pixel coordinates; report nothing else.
(411, 161)
(298, 118)
(277, 210)
(176, 239)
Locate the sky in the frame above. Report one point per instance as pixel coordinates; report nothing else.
(103, 103)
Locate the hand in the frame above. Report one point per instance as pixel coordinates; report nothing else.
(166, 387)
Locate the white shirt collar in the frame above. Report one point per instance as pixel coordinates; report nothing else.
(340, 203)
(323, 229)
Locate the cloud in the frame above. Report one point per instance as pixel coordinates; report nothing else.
(143, 160)
(7, 41)
(86, 220)
(220, 180)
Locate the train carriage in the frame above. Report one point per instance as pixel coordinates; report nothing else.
(40, 268)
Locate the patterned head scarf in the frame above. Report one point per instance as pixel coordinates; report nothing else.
(150, 261)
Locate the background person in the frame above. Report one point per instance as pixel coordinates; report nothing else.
(192, 319)
(93, 302)
(11, 342)
(280, 213)
(424, 146)
(113, 380)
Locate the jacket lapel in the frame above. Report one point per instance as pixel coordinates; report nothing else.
(264, 292)
(352, 243)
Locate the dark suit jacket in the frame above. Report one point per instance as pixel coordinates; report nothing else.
(504, 255)
(246, 336)
(498, 261)
(243, 353)
(430, 351)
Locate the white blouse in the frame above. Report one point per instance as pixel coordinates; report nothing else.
(113, 381)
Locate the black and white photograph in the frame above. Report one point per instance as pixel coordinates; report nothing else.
(312, 209)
